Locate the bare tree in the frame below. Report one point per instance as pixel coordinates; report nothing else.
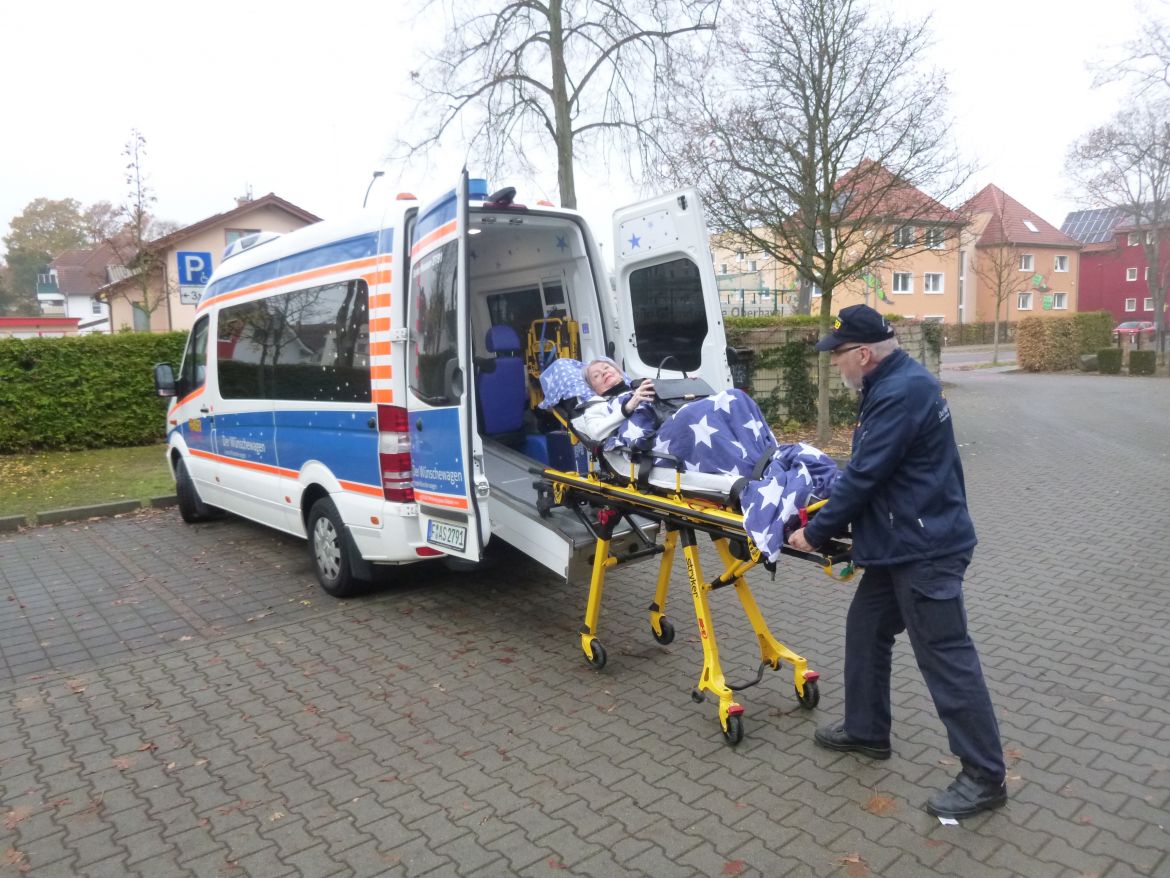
(142, 286)
(815, 141)
(564, 73)
(1126, 164)
(998, 266)
(1145, 60)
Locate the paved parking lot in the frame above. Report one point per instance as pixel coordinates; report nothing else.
(181, 700)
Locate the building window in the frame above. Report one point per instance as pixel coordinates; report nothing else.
(1030, 226)
(1131, 304)
(723, 268)
(1132, 239)
(932, 282)
(739, 254)
(97, 306)
(904, 236)
(1147, 304)
(1024, 302)
(752, 265)
(1131, 274)
(1147, 273)
(903, 282)
(230, 236)
(936, 238)
(1060, 263)
(1025, 262)
(1150, 236)
(1060, 301)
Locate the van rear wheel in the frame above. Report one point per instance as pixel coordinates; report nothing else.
(329, 547)
(191, 508)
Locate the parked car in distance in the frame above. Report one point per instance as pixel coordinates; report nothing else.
(1133, 328)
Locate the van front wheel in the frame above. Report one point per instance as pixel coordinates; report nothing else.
(329, 549)
(191, 508)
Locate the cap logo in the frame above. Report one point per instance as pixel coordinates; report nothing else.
(836, 323)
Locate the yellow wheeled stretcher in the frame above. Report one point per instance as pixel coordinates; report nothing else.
(602, 498)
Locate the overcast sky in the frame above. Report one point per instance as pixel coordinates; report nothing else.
(304, 101)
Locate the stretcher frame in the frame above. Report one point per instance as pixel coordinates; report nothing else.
(601, 504)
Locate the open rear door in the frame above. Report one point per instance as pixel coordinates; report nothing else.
(446, 454)
(667, 295)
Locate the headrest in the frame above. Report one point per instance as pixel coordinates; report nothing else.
(502, 338)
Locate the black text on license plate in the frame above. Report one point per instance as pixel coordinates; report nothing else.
(453, 536)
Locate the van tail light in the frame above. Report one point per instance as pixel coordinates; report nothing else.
(394, 453)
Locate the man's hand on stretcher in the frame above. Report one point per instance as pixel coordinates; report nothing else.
(797, 541)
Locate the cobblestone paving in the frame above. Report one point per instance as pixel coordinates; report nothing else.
(181, 700)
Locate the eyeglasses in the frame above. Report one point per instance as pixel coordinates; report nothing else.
(837, 351)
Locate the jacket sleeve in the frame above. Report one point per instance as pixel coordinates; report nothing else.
(888, 429)
(601, 416)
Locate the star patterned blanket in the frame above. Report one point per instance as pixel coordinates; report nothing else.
(725, 434)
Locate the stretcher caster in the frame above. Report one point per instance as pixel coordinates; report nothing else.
(811, 696)
(597, 659)
(667, 635)
(733, 734)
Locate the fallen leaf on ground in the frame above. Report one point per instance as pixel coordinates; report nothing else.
(880, 805)
(734, 867)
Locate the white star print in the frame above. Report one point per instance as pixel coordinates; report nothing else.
(722, 401)
(761, 538)
(633, 432)
(789, 508)
(804, 474)
(704, 432)
(661, 446)
(754, 426)
(739, 445)
(770, 494)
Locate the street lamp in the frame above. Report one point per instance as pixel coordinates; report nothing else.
(377, 174)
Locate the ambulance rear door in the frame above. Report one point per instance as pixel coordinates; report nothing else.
(447, 468)
(667, 295)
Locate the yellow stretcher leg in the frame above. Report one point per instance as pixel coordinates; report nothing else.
(711, 678)
(772, 651)
(659, 625)
(594, 651)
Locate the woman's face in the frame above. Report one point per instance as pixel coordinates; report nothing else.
(602, 376)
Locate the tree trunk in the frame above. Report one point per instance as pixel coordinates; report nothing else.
(824, 413)
(995, 338)
(564, 133)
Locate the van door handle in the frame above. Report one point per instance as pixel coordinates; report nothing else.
(205, 410)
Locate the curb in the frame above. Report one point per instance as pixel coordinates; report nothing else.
(13, 523)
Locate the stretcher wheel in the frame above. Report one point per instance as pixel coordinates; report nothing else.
(733, 734)
(667, 635)
(597, 662)
(811, 697)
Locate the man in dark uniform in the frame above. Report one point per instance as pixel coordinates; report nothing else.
(903, 494)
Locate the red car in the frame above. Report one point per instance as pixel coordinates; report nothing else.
(1133, 328)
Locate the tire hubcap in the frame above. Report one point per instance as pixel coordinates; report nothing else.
(327, 548)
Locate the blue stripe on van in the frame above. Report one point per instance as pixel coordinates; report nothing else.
(357, 247)
(341, 440)
(440, 212)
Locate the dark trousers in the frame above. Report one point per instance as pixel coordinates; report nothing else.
(924, 599)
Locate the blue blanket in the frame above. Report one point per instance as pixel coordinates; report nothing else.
(725, 434)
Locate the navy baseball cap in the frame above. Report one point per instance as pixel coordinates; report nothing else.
(859, 324)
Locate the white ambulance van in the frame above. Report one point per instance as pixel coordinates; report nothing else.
(370, 383)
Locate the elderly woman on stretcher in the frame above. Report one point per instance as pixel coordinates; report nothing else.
(721, 434)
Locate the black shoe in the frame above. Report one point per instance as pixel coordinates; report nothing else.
(836, 738)
(967, 796)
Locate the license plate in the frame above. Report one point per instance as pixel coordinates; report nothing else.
(452, 536)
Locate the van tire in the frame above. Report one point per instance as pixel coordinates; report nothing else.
(192, 509)
(330, 548)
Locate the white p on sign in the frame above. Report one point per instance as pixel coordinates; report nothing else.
(194, 268)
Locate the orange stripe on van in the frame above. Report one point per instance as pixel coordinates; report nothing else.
(379, 324)
(381, 300)
(190, 396)
(444, 500)
(441, 232)
(378, 277)
(359, 488)
(323, 271)
(380, 348)
(383, 397)
(381, 371)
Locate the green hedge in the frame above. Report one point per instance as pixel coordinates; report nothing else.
(1141, 362)
(1050, 344)
(1109, 361)
(1094, 330)
(89, 391)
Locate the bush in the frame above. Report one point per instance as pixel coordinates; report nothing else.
(89, 391)
(1094, 330)
(1047, 344)
(1109, 361)
(1141, 362)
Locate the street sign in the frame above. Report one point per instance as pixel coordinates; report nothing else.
(189, 295)
(194, 268)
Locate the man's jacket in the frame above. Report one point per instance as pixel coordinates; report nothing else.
(903, 490)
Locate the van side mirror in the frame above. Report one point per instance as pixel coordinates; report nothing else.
(164, 379)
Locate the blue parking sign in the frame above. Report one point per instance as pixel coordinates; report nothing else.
(194, 268)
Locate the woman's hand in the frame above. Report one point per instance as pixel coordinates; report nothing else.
(644, 392)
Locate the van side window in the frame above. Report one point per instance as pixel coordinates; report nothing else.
(193, 372)
(670, 318)
(310, 345)
(432, 321)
